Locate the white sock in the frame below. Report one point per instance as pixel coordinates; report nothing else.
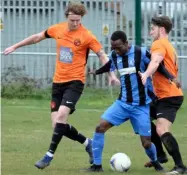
(86, 142)
(50, 154)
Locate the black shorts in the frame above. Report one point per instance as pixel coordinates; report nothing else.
(168, 107)
(66, 94)
(153, 111)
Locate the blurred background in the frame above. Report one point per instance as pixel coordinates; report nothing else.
(34, 65)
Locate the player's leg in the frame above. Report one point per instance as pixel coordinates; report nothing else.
(162, 158)
(57, 95)
(56, 99)
(70, 97)
(113, 116)
(151, 152)
(98, 144)
(166, 113)
(140, 120)
(161, 155)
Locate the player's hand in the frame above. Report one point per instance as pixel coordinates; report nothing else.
(92, 72)
(9, 50)
(177, 82)
(113, 81)
(143, 77)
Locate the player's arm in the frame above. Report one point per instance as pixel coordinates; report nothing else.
(156, 59)
(33, 39)
(104, 59)
(161, 69)
(95, 46)
(102, 56)
(105, 68)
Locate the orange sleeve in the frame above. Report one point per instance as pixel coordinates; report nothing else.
(94, 44)
(52, 31)
(158, 47)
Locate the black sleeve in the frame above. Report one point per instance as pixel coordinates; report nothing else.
(161, 69)
(46, 34)
(103, 69)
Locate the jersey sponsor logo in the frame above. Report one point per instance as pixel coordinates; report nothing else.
(77, 42)
(66, 54)
(125, 71)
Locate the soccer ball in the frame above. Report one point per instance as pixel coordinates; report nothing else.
(120, 162)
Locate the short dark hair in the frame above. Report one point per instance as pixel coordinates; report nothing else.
(76, 8)
(119, 35)
(162, 21)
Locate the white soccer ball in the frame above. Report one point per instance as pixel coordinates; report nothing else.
(120, 162)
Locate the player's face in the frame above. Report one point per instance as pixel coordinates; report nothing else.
(119, 46)
(74, 21)
(155, 32)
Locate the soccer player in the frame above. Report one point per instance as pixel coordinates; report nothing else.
(73, 43)
(170, 97)
(133, 101)
(161, 155)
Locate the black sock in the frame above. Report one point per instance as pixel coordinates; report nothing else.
(172, 147)
(73, 134)
(157, 141)
(59, 131)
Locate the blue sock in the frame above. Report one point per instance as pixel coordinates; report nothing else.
(151, 152)
(97, 147)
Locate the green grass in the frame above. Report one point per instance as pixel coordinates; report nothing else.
(26, 134)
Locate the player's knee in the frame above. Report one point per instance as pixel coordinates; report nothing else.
(100, 128)
(160, 130)
(146, 142)
(61, 117)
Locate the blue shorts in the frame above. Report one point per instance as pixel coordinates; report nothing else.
(119, 112)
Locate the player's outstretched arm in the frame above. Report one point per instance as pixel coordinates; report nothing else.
(102, 56)
(104, 59)
(33, 39)
(105, 68)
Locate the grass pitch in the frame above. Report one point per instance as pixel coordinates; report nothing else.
(26, 135)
